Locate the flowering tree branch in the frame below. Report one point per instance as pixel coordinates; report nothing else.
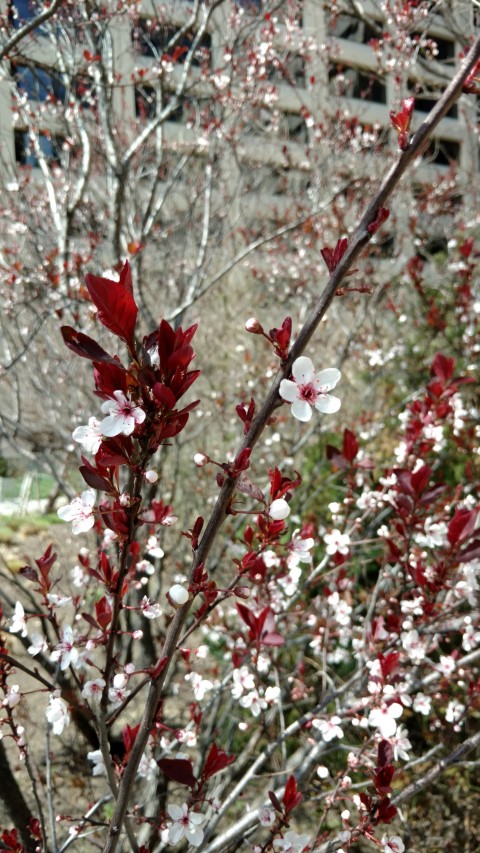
(344, 260)
(24, 31)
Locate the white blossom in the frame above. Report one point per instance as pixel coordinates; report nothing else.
(96, 758)
(384, 718)
(90, 436)
(122, 415)
(93, 690)
(291, 842)
(279, 509)
(57, 714)
(184, 824)
(337, 542)
(149, 609)
(309, 389)
(329, 729)
(66, 652)
(18, 621)
(79, 512)
(394, 844)
(39, 644)
(178, 595)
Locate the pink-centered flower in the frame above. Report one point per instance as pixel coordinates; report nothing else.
(122, 416)
(79, 512)
(309, 389)
(184, 823)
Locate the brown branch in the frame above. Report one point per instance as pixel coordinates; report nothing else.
(440, 767)
(359, 240)
(27, 29)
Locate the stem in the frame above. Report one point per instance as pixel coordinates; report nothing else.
(359, 240)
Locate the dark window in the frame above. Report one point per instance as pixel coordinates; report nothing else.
(153, 39)
(293, 127)
(146, 103)
(251, 6)
(51, 146)
(424, 102)
(442, 152)
(439, 49)
(351, 28)
(288, 69)
(39, 84)
(356, 83)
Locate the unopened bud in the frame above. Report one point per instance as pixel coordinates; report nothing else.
(178, 595)
(241, 592)
(151, 476)
(279, 509)
(200, 459)
(252, 325)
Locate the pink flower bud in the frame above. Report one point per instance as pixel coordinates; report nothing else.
(151, 476)
(252, 325)
(279, 509)
(178, 595)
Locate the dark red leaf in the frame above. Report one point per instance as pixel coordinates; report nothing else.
(28, 572)
(443, 367)
(350, 445)
(103, 612)
(178, 770)
(94, 480)
(216, 761)
(115, 304)
(274, 801)
(84, 346)
(461, 525)
(420, 479)
(291, 796)
(471, 552)
(109, 378)
(91, 621)
(385, 752)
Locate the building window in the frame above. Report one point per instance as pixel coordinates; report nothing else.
(351, 28)
(434, 47)
(289, 69)
(51, 147)
(293, 128)
(146, 104)
(153, 39)
(357, 83)
(39, 84)
(442, 152)
(424, 102)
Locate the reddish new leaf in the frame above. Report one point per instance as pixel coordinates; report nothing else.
(216, 761)
(116, 307)
(443, 367)
(291, 796)
(103, 612)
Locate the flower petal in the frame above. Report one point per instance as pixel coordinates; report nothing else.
(288, 390)
(302, 369)
(302, 410)
(330, 376)
(328, 404)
